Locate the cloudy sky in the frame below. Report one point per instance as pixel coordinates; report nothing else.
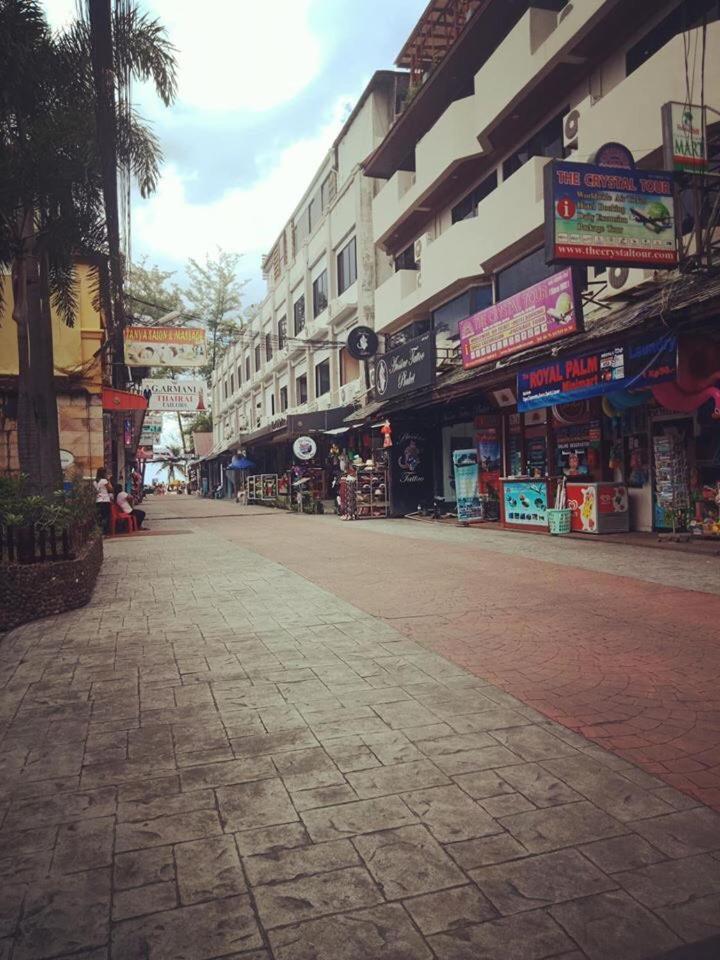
(264, 86)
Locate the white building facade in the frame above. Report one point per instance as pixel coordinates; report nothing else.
(321, 277)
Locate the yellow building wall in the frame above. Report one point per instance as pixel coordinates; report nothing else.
(73, 347)
(80, 416)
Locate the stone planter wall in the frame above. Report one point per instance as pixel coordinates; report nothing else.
(33, 590)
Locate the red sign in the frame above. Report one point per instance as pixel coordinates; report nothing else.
(122, 400)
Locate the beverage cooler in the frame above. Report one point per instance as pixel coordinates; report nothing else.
(598, 507)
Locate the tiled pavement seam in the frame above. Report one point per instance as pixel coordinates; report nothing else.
(218, 759)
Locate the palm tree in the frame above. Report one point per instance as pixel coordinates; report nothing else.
(174, 462)
(51, 187)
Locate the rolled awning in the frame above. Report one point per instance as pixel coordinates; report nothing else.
(122, 400)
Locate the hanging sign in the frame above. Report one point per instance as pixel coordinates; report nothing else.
(165, 346)
(544, 312)
(304, 448)
(467, 494)
(362, 343)
(406, 368)
(611, 215)
(684, 142)
(633, 367)
(176, 396)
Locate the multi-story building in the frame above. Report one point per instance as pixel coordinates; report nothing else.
(289, 371)
(498, 88)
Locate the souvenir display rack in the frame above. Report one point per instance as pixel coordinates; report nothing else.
(672, 482)
(372, 493)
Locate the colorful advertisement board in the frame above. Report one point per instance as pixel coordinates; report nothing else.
(165, 347)
(546, 311)
(684, 137)
(467, 494)
(632, 367)
(526, 502)
(176, 396)
(610, 215)
(411, 466)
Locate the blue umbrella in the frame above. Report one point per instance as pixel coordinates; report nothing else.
(240, 463)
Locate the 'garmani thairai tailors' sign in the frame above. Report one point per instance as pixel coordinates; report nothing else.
(609, 215)
(165, 346)
(176, 396)
(546, 311)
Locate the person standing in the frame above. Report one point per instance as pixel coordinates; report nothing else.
(125, 503)
(103, 498)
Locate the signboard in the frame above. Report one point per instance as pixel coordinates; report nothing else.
(544, 312)
(406, 368)
(526, 502)
(362, 343)
(165, 347)
(610, 215)
(636, 366)
(176, 396)
(467, 494)
(411, 467)
(684, 143)
(304, 448)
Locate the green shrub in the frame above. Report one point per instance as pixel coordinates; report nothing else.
(62, 510)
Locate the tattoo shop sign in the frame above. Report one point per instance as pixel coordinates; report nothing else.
(406, 368)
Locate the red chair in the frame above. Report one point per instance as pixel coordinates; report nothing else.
(118, 517)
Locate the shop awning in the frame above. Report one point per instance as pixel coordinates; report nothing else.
(122, 400)
(337, 431)
(318, 421)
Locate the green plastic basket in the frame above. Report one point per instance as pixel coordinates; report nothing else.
(559, 521)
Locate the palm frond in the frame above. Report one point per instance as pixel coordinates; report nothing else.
(143, 51)
(64, 288)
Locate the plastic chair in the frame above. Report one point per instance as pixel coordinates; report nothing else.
(118, 517)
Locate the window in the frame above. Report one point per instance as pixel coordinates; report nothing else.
(239, 375)
(523, 274)
(299, 315)
(283, 399)
(225, 388)
(406, 259)
(272, 404)
(447, 317)
(282, 333)
(268, 347)
(347, 266)
(313, 208)
(320, 294)
(232, 383)
(349, 367)
(322, 378)
(412, 330)
(257, 356)
(328, 190)
(247, 367)
(468, 206)
(301, 389)
(547, 142)
(685, 17)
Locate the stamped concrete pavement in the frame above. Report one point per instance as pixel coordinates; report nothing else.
(219, 758)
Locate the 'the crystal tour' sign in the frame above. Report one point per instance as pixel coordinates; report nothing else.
(406, 368)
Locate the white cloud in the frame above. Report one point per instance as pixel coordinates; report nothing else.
(233, 55)
(246, 220)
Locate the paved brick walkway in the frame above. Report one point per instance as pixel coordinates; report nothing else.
(218, 758)
(620, 644)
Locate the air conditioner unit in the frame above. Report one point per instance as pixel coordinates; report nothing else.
(621, 280)
(324, 402)
(420, 245)
(571, 129)
(242, 422)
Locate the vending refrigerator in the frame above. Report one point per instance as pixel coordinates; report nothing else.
(598, 507)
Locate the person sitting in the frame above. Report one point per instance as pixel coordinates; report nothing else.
(125, 503)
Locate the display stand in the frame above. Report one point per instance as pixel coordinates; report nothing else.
(672, 482)
(372, 493)
(525, 502)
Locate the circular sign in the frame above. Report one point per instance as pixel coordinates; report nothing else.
(304, 448)
(382, 377)
(566, 208)
(614, 154)
(66, 459)
(362, 343)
